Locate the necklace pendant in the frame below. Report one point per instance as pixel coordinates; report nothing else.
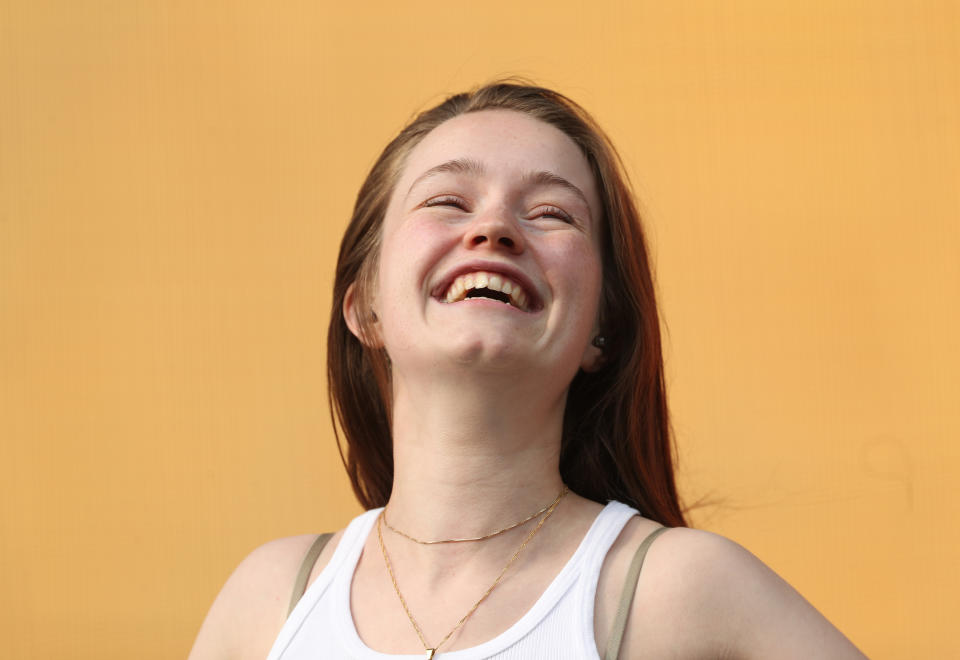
(430, 653)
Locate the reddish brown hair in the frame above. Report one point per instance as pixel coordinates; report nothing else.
(616, 441)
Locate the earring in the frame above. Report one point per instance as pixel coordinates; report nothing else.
(599, 341)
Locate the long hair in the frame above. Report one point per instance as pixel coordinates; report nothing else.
(617, 442)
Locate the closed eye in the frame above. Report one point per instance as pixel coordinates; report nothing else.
(552, 212)
(446, 200)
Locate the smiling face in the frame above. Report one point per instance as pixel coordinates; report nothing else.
(489, 254)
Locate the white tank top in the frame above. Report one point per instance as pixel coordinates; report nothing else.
(559, 625)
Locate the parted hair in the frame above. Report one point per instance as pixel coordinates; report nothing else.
(617, 441)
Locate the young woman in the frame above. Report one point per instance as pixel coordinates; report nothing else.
(495, 366)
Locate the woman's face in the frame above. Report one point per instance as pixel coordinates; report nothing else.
(490, 251)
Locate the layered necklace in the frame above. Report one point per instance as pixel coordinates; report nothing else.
(430, 651)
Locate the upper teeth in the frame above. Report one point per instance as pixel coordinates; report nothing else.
(483, 280)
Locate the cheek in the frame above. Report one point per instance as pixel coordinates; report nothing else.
(590, 283)
(582, 270)
(408, 256)
(415, 243)
(590, 295)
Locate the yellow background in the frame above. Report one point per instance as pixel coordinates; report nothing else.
(174, 179)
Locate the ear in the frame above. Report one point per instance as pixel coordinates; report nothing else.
(593, 357)
(368, 333)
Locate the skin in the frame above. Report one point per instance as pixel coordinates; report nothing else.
(479, 391)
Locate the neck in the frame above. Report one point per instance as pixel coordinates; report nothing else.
(470, 457)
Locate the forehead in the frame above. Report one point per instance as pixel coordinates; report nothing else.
(508, 144)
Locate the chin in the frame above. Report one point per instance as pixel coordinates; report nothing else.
(487, 353)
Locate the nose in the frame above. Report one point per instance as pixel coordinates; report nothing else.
(495, 231)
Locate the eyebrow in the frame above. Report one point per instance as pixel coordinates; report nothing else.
(545, 178)
(455, 166)
(476, 168)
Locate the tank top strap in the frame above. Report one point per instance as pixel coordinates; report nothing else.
(608, 526)
(344, 556)
(306, 567)
(626, 597)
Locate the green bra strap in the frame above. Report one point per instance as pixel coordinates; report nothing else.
(300, 585)
(626, 599)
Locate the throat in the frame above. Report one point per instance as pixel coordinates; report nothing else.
(489, 293)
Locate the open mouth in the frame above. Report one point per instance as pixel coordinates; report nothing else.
(493, 286)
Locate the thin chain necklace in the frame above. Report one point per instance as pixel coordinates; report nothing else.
(430, 651)
(474, 538)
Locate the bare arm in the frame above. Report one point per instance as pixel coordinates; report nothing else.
(707, 597)
(250, 609)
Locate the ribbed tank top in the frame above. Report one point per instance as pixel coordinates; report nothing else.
(559, 625)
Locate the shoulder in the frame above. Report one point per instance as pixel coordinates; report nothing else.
(702, 595)
(252, 606)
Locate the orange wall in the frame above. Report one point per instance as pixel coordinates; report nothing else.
(174, 178)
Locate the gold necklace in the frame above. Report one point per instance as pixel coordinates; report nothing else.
(430, 651)
(475, 538)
